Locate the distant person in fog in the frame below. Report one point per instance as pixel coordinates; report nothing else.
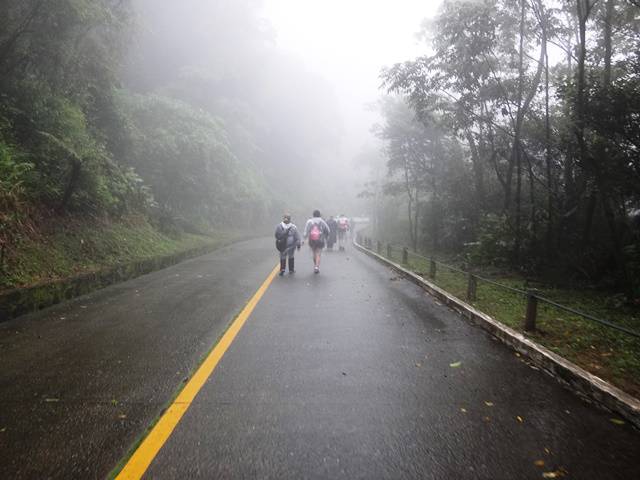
(333, 227)
(343, 229)
(317, 231)
(287, 240)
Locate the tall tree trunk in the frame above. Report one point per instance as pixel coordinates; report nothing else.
(478, 170)
(416, 218)
(23, 28)
(608, 44)
(584, 8)
(516, 141)
(547, 133)
(592, 202)
(409, 189)
(533, 217)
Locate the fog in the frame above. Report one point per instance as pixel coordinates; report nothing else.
(292, 82)
(348, 43)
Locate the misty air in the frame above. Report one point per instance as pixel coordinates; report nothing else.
(341, 239)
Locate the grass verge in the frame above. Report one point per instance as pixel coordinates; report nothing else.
(77, 248)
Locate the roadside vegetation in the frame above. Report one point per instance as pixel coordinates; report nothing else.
(80, 247)
(119, 110)
(516, 140)
(512, 149)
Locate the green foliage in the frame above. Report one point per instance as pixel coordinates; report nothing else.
(13, 175)
(494, 242)
(72, 169)
(184, 155)
(548, 154)
(56, 63)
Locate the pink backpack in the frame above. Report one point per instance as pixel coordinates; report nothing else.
(315, 233)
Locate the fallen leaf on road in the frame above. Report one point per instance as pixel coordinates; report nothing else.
(520, 419)
(488, 404)
(122, 416)
(2, 430)
(463, 410)
(555, 474)
(539, 463)
(518, 355)
(51, 400)
(486, 419)
(418, 364)
(617, 421)
(114, 402)
(547, 451)
(455, 364)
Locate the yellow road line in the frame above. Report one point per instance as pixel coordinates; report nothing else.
(153, 442)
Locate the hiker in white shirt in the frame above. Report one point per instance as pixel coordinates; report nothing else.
(317, 231)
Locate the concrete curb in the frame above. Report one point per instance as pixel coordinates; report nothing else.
(578, 380)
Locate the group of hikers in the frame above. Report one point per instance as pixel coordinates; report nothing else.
(317, 231)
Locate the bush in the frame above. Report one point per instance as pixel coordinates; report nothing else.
(495, 242)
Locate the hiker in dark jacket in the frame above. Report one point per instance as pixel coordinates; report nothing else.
(333, 226)
(287, 240)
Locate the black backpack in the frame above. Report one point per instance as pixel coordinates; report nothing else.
(281, 240)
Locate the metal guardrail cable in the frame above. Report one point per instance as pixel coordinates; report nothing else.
(589, 317)
(525, 294)
(506, 287)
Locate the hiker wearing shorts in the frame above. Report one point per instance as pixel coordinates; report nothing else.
(287, 240)
(317, 231)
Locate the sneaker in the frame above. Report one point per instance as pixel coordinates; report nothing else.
(281, 272)
(291, 272)
(316, 270)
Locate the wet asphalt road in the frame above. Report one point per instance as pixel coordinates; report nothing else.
(342, 375)
(69, 374)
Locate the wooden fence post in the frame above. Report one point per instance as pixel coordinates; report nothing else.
(389, 251)
(432, 268)
(405, 255)
(532, 312)
(472, 286)
(379, 247)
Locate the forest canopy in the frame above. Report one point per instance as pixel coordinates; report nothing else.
(516, 140)
(187, 113)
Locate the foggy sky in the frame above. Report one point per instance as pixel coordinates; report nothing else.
(348, 42)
